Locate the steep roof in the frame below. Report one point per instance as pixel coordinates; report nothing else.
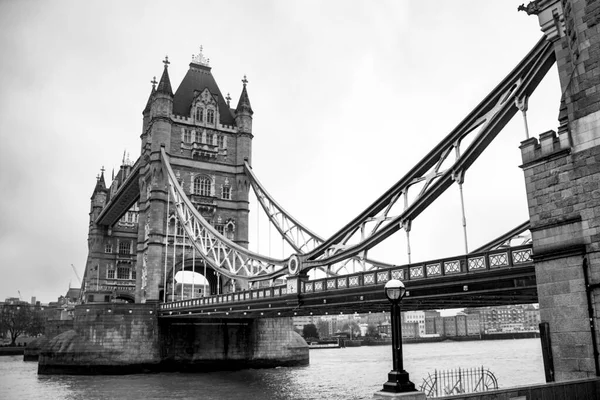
(164, 86)
(198, 78)
(244, 102)
(100, 184)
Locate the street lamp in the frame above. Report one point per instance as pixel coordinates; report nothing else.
(397, 377)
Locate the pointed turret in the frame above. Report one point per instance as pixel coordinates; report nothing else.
(100, 184)
(149, 102)
(243, 112)
(164, 86)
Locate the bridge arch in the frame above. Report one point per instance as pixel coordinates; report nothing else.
(215, 282)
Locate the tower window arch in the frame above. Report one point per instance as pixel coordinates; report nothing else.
(210, 116)
(199, 114)
(202, 186)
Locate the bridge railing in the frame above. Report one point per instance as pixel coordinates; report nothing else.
(471, 263)
(501, 258)
(227, 298)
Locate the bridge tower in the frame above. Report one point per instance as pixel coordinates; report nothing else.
(207, 142)
(562, 176)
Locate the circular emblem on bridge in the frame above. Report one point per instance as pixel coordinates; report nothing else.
(294, 265)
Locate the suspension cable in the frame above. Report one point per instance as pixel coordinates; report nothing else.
(166, 248)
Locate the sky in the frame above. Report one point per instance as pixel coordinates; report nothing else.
(347, 97)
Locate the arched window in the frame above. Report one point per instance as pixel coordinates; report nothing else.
(199, 114)
(210, 116)
(202, 186)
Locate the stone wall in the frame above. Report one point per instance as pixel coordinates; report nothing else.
(116, 338)
(210, 344)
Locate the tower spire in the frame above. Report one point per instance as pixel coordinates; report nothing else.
(164, 86)
(244, 102)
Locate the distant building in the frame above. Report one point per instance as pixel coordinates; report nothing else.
(417, 317)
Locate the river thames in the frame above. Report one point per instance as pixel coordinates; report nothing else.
(349, 373)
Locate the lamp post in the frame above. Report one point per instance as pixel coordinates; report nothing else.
(397, 378)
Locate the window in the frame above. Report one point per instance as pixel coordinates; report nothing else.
(124, 247)
(220, 228)
(202, 186)
(110, 272)
(226, 194)
(123, 272)
(187, 136)
(199, 114)
(210, 116)
(220, 142)
(108, 248)
(212, 140)
(179, 228)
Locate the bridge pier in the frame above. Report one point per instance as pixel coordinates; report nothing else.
(223, 344)
(562, 178)
(129, 338)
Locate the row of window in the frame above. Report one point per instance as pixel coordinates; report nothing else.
(121, 272)
(210, 115)
(226, 230)
(202, 186)
(189, 136)
(124, 247)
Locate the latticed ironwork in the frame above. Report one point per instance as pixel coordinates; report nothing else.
(521, 256)
(369, 279)
(398, 274)
(416, 272)
(451, 267)
(499, 260)
(331, 284)
(308, 287)
(476, 263)
(318, 286)
(342, 283)
(383, 277)
(353, 281)
(434, 269)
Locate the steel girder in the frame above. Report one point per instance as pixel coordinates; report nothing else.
(223, 255)
(483, 124)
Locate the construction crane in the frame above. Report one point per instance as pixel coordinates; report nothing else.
(76, 274)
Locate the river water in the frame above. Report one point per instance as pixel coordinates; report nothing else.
(349, 373)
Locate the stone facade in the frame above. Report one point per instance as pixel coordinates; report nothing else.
(122, 338)
(231, 344)
(562, 176)
(208, 143)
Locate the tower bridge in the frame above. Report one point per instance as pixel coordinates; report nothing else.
(184, 204)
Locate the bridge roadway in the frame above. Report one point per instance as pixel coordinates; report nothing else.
(492, 278)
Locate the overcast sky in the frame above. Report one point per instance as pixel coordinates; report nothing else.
(347, 97)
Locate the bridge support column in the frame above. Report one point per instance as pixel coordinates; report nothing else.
(105, 339)
(562, 178)
(227, 344)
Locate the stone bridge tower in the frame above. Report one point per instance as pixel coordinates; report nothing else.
(562, 176)
(208, 142)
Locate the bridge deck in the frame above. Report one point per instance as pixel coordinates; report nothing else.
(499, 277)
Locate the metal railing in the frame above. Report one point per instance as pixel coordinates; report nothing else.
(458, 381)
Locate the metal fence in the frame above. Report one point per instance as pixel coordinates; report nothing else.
(457, 381)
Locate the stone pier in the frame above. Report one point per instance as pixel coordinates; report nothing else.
(129, 338)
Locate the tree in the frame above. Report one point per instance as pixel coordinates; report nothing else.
(372, 330)
(310, 331)
(352, 327)
(323, 329)
(15, 319)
